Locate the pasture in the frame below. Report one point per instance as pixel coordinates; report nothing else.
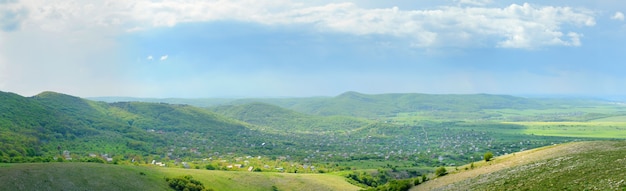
(94, 176)
(593, 129)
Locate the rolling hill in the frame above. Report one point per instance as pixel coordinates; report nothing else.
(376, 105)
(48, 123)
(287, 121)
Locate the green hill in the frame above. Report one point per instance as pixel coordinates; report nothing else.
(49, 123)
(90, 176)
(283, 120)
(376, 105)
(573, 166)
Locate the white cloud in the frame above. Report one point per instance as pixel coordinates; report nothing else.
(474, 2)
(618, 16)
(164, 57)
(149, 58)
(11, 15)
(514, 26)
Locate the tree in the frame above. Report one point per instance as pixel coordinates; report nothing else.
(488, 156)
(441, 171)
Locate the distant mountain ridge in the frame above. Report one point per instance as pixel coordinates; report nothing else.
(374, 105)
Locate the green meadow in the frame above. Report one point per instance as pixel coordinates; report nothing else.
(92, 176)
(593, 129)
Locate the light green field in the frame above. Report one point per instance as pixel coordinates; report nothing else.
(92, 176)
(595, 129)
(612, 119)
(237, 180)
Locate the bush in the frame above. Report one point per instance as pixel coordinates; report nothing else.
(186, 183)
(399, 185)
(441, 171)
(488, 156)
(210, 167)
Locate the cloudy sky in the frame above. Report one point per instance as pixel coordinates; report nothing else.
(253, 48)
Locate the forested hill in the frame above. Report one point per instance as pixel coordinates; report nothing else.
(279, 119)
(357, 104)
(48, 123)
(377, 105)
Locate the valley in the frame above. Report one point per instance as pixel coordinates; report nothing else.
(372, 141)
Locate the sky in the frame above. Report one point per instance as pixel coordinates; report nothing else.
(293, 48)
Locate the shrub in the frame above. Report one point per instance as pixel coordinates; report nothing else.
(210, 167)
(488, 156)
(399, 185)
(186, 183)
(441, 171)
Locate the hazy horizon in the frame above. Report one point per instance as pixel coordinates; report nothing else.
(288, 48)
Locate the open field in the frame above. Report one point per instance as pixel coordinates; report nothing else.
(78, 176)
(571, 166)
(230, 180)
(92, 176)
(594, 129)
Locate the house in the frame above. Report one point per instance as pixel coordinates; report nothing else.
(109, 159)
(238, 165)
(250, 169)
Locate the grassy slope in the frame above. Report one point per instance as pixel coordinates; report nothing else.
(91, 176)
(78, 176)
(229, 180)
(561, 167)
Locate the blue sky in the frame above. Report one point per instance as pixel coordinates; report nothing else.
(275, 48)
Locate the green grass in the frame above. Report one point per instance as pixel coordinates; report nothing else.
(575, 129)
(92, 176)
(621, 118)
(79, 176)
(237, 180)
(595, 165)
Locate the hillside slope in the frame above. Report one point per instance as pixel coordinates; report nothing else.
(49, 123)
(595, 165)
